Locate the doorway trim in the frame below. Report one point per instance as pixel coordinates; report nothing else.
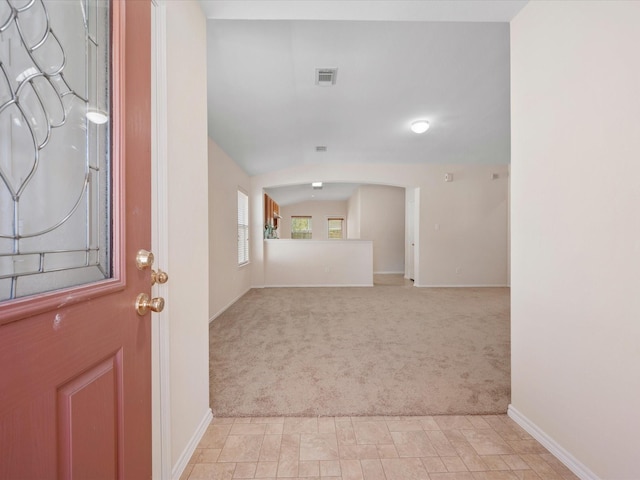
(161, 393)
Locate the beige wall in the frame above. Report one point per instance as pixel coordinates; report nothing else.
(188, 288)
(227, 280)
(463, 225)
(575, 275)
(318, 263)
(471, 213)
(353, 216)
(382, 219)
(319, 211)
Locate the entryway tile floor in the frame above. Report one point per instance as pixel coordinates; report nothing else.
(491, 447)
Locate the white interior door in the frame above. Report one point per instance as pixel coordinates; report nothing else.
(410, 240)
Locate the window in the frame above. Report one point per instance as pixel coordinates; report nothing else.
(243, 228)
(301, 227)
(336, 227)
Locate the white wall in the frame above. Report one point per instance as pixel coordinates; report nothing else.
(471, 213)
(227, 280)
(318, 263)
(382, 221)
(575, 277)
(319, 211)
(188, 287)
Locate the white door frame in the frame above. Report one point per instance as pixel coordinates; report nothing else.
(161, 394)
(410, 225)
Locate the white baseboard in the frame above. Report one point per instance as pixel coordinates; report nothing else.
(327, 285)
(182, 462)
(389, 273)
(483, 285)
(222, 310)
(572, 463)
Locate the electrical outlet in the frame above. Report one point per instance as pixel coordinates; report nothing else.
(458, 270)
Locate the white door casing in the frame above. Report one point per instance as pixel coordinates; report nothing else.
(161, 416)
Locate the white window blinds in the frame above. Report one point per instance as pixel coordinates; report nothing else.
(243, 228)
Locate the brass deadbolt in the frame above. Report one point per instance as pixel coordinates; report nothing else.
(144, 259)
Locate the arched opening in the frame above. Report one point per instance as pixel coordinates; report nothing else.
(347, 212)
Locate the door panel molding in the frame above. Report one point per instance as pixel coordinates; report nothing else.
(90, 435)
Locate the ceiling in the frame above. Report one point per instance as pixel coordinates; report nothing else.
(444, 61)
(398, 10)
(291, 194)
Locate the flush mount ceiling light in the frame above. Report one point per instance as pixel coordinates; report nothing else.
(317, 185)
(419, 126)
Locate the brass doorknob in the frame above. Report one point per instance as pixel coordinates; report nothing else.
(159, 277)
(144, 259)
(144, 304)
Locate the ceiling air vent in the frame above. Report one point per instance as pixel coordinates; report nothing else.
(326, 77)
(321, 148)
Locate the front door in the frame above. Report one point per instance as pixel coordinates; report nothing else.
(75, 355)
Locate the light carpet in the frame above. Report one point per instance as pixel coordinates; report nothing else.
(386, 350)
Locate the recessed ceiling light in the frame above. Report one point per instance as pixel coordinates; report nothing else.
(419, 126)
(316, 184)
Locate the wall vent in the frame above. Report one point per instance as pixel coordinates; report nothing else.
(321, 148)
(326, 77)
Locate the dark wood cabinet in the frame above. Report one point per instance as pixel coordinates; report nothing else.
(271, 212)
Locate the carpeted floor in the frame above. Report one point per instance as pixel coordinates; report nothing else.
(385, 350)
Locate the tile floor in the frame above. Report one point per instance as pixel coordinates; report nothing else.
(372, 448)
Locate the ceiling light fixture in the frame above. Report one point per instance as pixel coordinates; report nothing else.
(316, 184)
(419, 126)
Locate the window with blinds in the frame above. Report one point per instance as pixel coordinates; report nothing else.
(336, 229)
(243, 228)
(301, 227)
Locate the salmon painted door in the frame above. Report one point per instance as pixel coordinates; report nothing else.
(75, 356)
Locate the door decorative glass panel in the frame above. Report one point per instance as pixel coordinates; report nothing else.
(55, 227)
